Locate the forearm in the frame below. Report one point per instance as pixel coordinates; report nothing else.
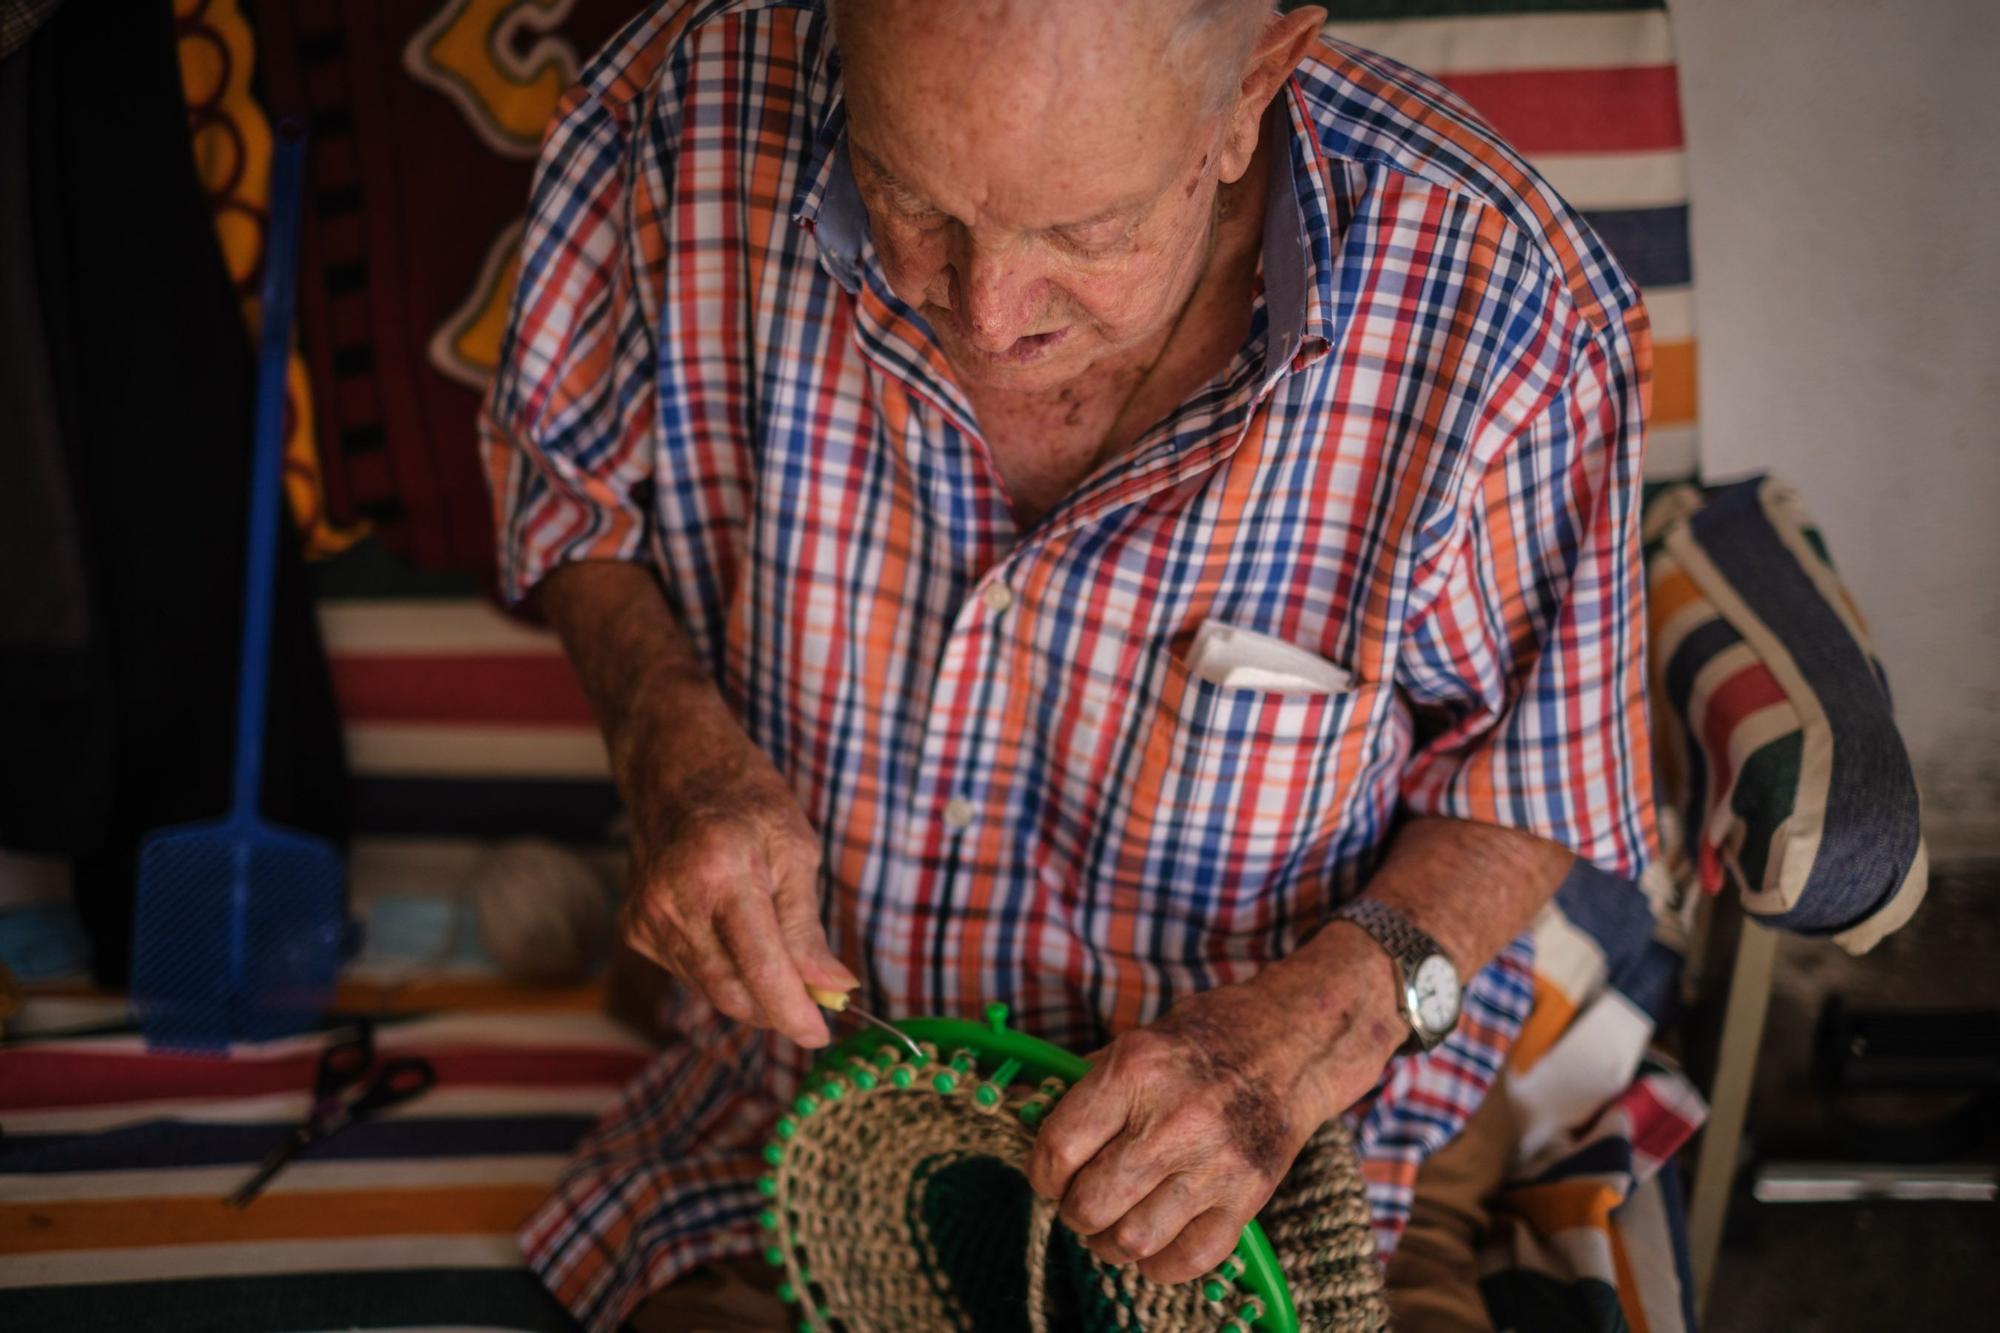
(1471, 887)
(652, 695)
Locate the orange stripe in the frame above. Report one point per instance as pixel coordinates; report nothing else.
(1668, 595)
(1673, 384)
(1628, 1283)
(1547, 1021)
(104, 1224)
(1565, 1205)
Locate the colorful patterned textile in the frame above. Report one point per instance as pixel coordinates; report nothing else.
(114, 1162)
(1038, 803)
(231, 138)
(1781, 748)
(425, 118)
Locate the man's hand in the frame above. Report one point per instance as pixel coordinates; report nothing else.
(725, 892)
(1182, 1129)
(725, 867)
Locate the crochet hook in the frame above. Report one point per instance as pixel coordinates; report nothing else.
(838, 1002)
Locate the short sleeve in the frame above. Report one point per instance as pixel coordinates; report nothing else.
(1526, 670)
(569, 423)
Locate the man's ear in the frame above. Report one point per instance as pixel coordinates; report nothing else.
(1278, 51)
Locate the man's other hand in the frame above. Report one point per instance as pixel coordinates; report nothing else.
(1182, 1129)
(726, 889)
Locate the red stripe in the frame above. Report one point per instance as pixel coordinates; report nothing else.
(40, 1079)
(1620, 110)
(1656, 1129)
(500, 687)
(1746, 692)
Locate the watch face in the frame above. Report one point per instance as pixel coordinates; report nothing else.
(1434, 994)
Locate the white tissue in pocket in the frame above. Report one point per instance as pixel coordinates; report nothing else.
(1243, 659)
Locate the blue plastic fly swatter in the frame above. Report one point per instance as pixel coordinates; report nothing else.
(238, 926)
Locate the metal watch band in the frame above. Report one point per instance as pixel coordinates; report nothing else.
(1392, 930)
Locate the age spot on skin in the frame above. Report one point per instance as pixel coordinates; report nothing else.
(1257, 1126)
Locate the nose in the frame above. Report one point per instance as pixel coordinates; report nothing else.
(997, 293)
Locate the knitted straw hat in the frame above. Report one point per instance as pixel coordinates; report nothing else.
(897, 1201)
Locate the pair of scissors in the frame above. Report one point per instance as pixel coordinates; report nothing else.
(344, 1063)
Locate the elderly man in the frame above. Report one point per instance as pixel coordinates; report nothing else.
(891, 396)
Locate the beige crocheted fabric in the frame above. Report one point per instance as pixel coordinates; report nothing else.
(897, 1203)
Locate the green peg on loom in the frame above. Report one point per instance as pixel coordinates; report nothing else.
(1215, 1290)
(831, 1090)
(806, 1104)
(787, 1127)
(773, 1153)
(901, 1076)
(996, 1016)
(774, 1257)
(945, 1081)
(767, 1186)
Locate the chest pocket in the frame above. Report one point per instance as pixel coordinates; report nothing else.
(1238, 795)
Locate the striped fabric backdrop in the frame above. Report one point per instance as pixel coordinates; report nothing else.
(465, 725)
(115, 1161)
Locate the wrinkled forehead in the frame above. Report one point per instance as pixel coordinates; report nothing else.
(1022, 114)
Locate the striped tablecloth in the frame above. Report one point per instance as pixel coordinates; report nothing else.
(114, 1162)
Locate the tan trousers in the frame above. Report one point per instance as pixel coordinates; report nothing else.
(1433, 1278)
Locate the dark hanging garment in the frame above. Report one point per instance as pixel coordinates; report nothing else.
(153, 382)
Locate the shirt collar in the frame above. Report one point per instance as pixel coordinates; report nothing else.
(1298, 261)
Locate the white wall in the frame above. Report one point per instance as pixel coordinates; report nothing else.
(1845, 157)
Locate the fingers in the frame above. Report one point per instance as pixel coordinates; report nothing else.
(797, 902)
(750, 936)
(1123, 1173)
(1203, 1242)
(1087, 1117)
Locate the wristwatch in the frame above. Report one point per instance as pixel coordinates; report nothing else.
(1427, 991)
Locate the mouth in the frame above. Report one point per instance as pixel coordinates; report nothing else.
(1030, 346)
(1024, 350)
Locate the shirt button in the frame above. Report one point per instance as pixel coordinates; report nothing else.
(998, 597)
(957, 813)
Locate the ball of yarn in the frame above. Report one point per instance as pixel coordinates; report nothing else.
(544, 915)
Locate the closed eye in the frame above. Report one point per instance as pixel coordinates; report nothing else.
(1096, 238)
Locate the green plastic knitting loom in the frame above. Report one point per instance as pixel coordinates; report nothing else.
(895, 1199)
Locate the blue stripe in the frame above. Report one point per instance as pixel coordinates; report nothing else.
(570, 811)
(1651, 244)
(175, 1143)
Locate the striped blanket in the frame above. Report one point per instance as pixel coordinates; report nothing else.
(114, 1162)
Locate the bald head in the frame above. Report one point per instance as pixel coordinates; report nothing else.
(1204, 45)
(1050, 171)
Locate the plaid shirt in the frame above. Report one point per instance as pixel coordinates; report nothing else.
(1423, 464)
